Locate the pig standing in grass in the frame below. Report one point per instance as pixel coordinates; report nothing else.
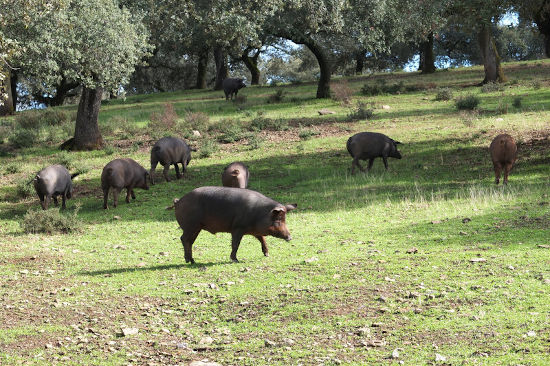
(371, 145)
(503, 151)
(230, 210)
(232, 86)
(122, 173)
(53, 181)
(235, 175)
(168, 151)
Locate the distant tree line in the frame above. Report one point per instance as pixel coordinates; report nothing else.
(54, 49)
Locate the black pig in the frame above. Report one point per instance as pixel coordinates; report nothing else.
(235, 175)
(122, 173)
(371, 145)
(230, 210)
(53, 181)
(167, 151)
(232, 86)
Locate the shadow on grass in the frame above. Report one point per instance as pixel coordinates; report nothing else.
(165, 267)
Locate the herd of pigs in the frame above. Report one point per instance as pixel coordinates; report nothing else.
(232, 207)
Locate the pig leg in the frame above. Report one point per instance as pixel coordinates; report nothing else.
(385, 160)
(236, 237)
(371, 161)
(133, 194)
(63, 199)
(178, 175)
(507, 169)
(55, 201)
(187, 240)
(498, 168)
(354, 164)
(165, 172)
(41, 197)
(105, 197)
(264, 245)
(128, 193)
(154, 163)
(47, 201)
(116, 191)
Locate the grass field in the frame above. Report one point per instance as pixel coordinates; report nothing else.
(426, 263)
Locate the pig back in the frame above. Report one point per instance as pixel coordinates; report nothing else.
(368, 145)
(54, 179)
(121, 173)
(503, 149)
(170, 150)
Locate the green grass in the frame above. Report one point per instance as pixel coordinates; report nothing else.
(378, 261)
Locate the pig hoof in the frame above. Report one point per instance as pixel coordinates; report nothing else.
(266, 254)
(234, 260)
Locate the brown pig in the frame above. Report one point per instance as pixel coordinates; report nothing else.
(230, 210)
(235, 175)
(503, 151)
(122, 173)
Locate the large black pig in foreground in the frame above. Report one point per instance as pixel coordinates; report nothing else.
(371, 145)
(167, 151)
(231, 210)
(232, 86)
(53, 181)
(122, 173)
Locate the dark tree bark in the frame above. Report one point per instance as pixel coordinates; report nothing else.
(222, 72)
(62, 91)
(360, 62)
(201, 69)
(251, 64)
(6, 105)
(13, 81)
(86, 132)
(427, 58)
(542, 19)
(323, 87)
(490, 57)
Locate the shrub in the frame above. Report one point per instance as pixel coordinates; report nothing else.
(240, 99)
(469, 117)
(12, 168)
(381, 87)
(444, 94)
(23, 137)
(51, 221)
(517, 102)
(109, 150)
(29, 120)
(276, 97)
(232, 133)
(491, 87)
(363, 110)
(56, 117)
(208, 147)
(307, 133)
(24, 187)
(254, 141)
(163, 123)
(261, 123)
(468, 102)
(537, 84)
(197, 120)
(341, 92)
(66, 159)
(502, 107)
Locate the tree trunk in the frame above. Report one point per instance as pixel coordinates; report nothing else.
(359, 62)
(490, 57)
(542, 19)
(323, 87)
(221, 67)
(251, 64)
(6, 104)
(86, 132)
(427, 58)
(13, 82)
(201, 69)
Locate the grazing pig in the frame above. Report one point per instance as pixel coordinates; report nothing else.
(167, 151)
(503, 153)
(232, 86)
(371, 145)
(235, 175)
(230, 210)
(53, 181)
(122, 173)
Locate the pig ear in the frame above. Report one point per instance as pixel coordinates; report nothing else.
(291, 206)
(277, 212)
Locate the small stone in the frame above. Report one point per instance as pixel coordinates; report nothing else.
(395, 354)
(499, 119)
(289, 341)
(466, 220)
(412, 250)
(206, 341)
(389, 279)
(129, 331)
(440, 358)
(141, 264)
(543, 246)
(385, 106)
(511, 268)
(478, 260)
(311, 260)
(164, 254)
(24, 271)
(204, 363)
(531, 334)
(462, 233)
(417, 310)
(382, 299)
(269, 343)
(48, 346)
(364, 332)
(196, 133)
(323, 112)
(434, 222)
(116, 217)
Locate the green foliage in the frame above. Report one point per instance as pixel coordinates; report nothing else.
(502, 107)
(444, 94)
(276, 97)
(66, 159)
(163, 124)
(468, 102)
(254, 141)
(491, 87)
(341, 92)
(382, 87)
(260, 123)
(22, 137)
(51, 221)
(537, 84)
(109, 150)
(24, 187)
(517, 102)
(207, 148)
(363, 110)
(13, 168)
(197, 120)
(307, 133)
